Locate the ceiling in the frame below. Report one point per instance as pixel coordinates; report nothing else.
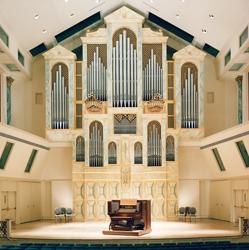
(54, 17)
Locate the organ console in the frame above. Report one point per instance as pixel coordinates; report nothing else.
(129, 217)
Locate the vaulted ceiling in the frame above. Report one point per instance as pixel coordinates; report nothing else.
(55, 16)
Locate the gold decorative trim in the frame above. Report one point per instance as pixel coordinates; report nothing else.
(93, 104)
(156, 104)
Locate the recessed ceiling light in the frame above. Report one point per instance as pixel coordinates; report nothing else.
(72, 15)
(183, 1)
(44, 31)
(36, 16)
(204, 31)
(98, 1)
(66, 1)
(151, 1)
(211, 16)
(178, 16)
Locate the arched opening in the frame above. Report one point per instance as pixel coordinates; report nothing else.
(154, 144)
(80, 149)
(170, 148)
(59, 97)
(189, 96)
(138, 153)
(96, 144)
(112, 153)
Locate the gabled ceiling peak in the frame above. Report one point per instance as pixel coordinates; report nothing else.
(124, 14)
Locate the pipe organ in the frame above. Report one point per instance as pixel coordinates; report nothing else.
(124, 72)
(189, 95)
(124, 107)
(96, 77)
(152, 78)
(59, 97)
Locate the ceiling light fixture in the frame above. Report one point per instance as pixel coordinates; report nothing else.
(183, 1)
(98, 1)
(151, 1)
(66, 1)
(204, 31)
(211, 16)
(44, 31)
(36, 16)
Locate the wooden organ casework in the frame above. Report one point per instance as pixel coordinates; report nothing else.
(124, 108)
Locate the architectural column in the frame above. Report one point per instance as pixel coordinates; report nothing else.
(239, 81)
(9, 81)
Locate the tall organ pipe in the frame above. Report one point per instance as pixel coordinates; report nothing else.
(59, 102)
(125, 76)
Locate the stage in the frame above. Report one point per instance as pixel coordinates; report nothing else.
(203, 228)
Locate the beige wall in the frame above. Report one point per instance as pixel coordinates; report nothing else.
(62, 195)
(38, 86)
(21, 105)
(58, 164)
(192, 164)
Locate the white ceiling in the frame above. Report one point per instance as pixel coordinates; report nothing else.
(18, 17)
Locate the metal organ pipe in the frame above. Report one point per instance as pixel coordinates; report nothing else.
(96, 146)
(96, 77)
(189, 102)
(152, 78)
(59, 102)
(154, 146)
(125, 76)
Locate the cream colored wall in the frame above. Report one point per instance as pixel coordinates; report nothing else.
(194, 178)
(21, 104)
(38, 86)
(229, 153)
(192, 164)
(62, 195)
(58, 164)
(221, 200)
(20, 154)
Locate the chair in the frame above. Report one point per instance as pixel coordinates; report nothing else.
(59, 213)
(181, 212)
(69, 214)
(192, 213)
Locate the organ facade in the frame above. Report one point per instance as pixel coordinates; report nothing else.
(125, 108)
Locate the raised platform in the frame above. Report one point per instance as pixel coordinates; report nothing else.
(203, 228)
(127, 233)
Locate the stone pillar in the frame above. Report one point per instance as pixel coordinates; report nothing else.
(9, 81)
(239, 81)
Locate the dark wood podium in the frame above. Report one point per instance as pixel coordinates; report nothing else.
(129, 217)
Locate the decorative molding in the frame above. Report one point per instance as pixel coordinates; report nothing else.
(124, 15)
(189, 52)
(156, 104)
(151, 36)
(24, 141)
(59, 53)
(93, 105)
(96, 37)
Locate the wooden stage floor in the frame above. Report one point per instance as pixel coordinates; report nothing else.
(93, 230)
